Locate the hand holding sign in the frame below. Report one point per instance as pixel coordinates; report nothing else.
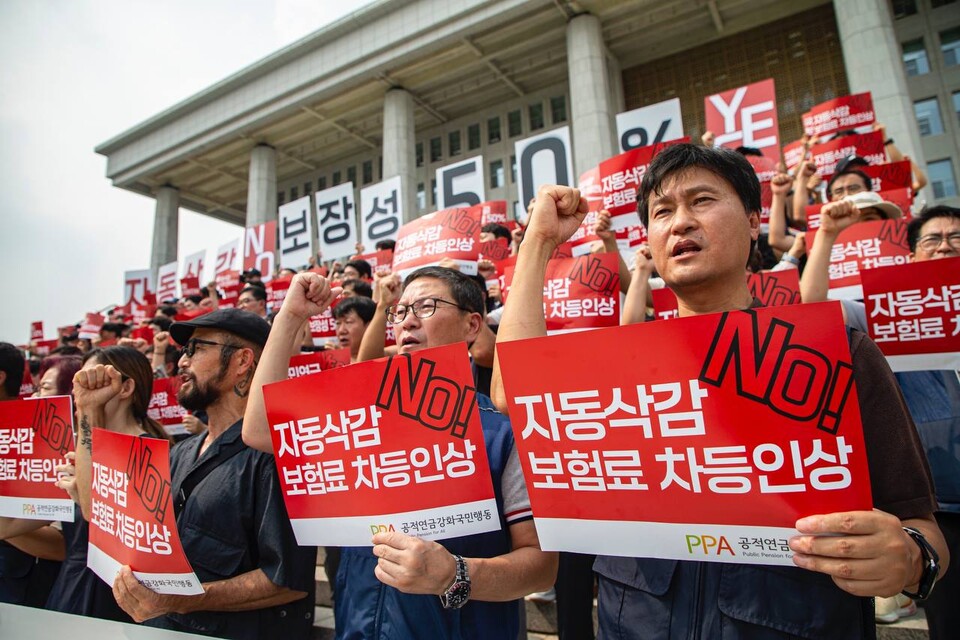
(138, 601)
(96, 386)
(557, 213)
(413, 565)
(310, 294)
(67, 476)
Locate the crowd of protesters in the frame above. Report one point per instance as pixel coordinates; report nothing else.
(259, 583)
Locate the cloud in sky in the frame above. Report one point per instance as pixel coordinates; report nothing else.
(75, 75)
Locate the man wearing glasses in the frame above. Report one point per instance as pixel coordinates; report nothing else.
(258, 583)
(404, 586)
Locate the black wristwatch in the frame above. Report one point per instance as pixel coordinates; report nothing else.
(888, 142)
(931, 565)
(457, 593)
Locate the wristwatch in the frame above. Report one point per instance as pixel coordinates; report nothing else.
(931, 565)
(457, 593)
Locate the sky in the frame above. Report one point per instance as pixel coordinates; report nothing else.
(77, 73)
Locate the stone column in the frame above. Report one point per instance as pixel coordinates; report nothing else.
(262, 187)
(165, 226)
(590, 93)
(872, 57)
(399, 151)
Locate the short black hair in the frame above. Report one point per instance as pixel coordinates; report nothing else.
(258, 293)
(498, 230)
(169, 310)
(12, 364)
(163, 322)
(749, 151)
(114, 327)
(868, 183)
(925, 216)
(464, 290)
(385, 245)
(360, 287)
(362, 267)
(366, 308)
(725, 163)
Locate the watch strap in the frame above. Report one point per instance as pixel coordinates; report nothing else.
(931, 565)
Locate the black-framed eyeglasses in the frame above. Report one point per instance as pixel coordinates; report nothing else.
(933, 240)
(423, 308)
(191, 347)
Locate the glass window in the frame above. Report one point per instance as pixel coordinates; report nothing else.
(436, 149)
(493, 130)
(904, 8)
(281, 197)
(941, 178)
(453, 138)
(419, 154)
(536, 116)
(940, 3)
(433, 193)
(352, 175)
(928, 117)
(496, 174)
(368, 171)
(513, 169)
(473, 136)
(336, 178)
(514, 125)
(915, 58)
(421, 197)
(307, 188)
(294, 193)
(950, 46)
(956, 104)
(321, 183)
(558, 109)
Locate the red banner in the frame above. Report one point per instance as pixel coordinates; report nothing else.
(496, 249)
(377, 259)
(861, 246)
(450, 233)
(913, 313)
(765, 168)
(260, 249)
(890, 175)
(277, 291)
(36, 330)
(869, 146)
(664, 303)
(494, 211)
(344, 477)
(26, 385)
(684, 441)
(164, 407)
(839, 114)
(306, 364)
(323, 328)
(35, 436)
(620, 178)
(771, 288)
(746, 117)
(132, 520)
(190, 286)
(44, 347)
(793, 154)
(90, 328)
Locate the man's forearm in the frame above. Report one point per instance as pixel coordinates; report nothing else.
(815, 281)
(374, 337)
(513, 575)
(928, 527)
(248, 591)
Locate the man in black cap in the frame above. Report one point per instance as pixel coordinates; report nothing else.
(257, 581)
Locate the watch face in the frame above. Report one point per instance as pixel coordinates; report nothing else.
(458, 594)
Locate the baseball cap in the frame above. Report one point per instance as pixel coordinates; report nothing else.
(244, 324)
(851, 162)
(872, 199)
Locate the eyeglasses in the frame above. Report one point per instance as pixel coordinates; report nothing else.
(932, 241)
(191, 347)
(849, 190)
(423, 308)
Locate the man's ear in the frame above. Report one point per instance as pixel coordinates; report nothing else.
(246, 361)
(754, 225)
(474, 323)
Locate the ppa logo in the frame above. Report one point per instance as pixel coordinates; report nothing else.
(707, 545)
(29, 509)
(381, 528)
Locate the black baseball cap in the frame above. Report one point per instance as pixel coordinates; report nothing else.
(244, 324)
(851, 162)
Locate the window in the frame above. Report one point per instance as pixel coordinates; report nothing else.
(940, 3)
(294, 194)
(904, 8)
(493, 130)
(281, 197)
(950, 46)
(536, 116)
(496, 174)
(436, 149)
(514, 125)
(941, 178)
(421, 197)
(558, 109)
(473, 136)
(928, 117)
(336, 178)
(453, 140)
(513, 169)
(307, 188)
(433, 193)
(915, 58)
(956, 104)
(352, 175)
(419, 154)
(321, 183)
(368, 172)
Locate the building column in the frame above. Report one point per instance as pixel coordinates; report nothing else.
(872, 57)
(262, 186)
(590, 93)
(399, 152)
(165, 226)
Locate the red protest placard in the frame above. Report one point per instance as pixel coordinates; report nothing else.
(35, 436)
(91, 326)
(684, 440)
(323, 328)
(913, 313)
(132, 520)
(579, 293)
(585, 235)
(66, 330)
(496, 249)
(746, 117)
(44, 347)
(377, 259)
(845, 112)
(390, 444)
(864, 245)
(664, 303)
(826, 155)
(164, 407)
(260, 249)
(620, 178)
(143, 333)
(277, 291)
(26, 385)
(190, 286)
(305, 364)
(36, 330)
(793, 154)
(765, 168)
(775, 288)
(890, 175)
(493, 211)
(450, 233)
(903, 198)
